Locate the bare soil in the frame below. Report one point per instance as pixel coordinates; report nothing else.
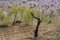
(46, 31)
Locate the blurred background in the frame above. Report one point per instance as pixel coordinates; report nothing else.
(18, 12)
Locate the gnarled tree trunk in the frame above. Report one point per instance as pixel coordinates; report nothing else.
(38, 23)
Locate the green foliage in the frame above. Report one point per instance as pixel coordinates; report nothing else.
(27, 16)
(20, 11)
(1, 15)
(57, 38)
(15, 12)
(45, 18)
(48, 20)
(1, 11)
(35, 12)
(19, 8)
(10, 13)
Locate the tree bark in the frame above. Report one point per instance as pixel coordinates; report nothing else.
(38, 23)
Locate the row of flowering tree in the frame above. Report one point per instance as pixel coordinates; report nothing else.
(25, 15)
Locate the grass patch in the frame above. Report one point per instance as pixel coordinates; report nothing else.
(56, 38)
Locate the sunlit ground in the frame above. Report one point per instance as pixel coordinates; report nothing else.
(46, 31)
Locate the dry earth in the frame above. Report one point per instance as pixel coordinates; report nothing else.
(46, 31)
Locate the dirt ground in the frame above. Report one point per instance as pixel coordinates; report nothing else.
(45, 32)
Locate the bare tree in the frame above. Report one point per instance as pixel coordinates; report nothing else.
(38, 23)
